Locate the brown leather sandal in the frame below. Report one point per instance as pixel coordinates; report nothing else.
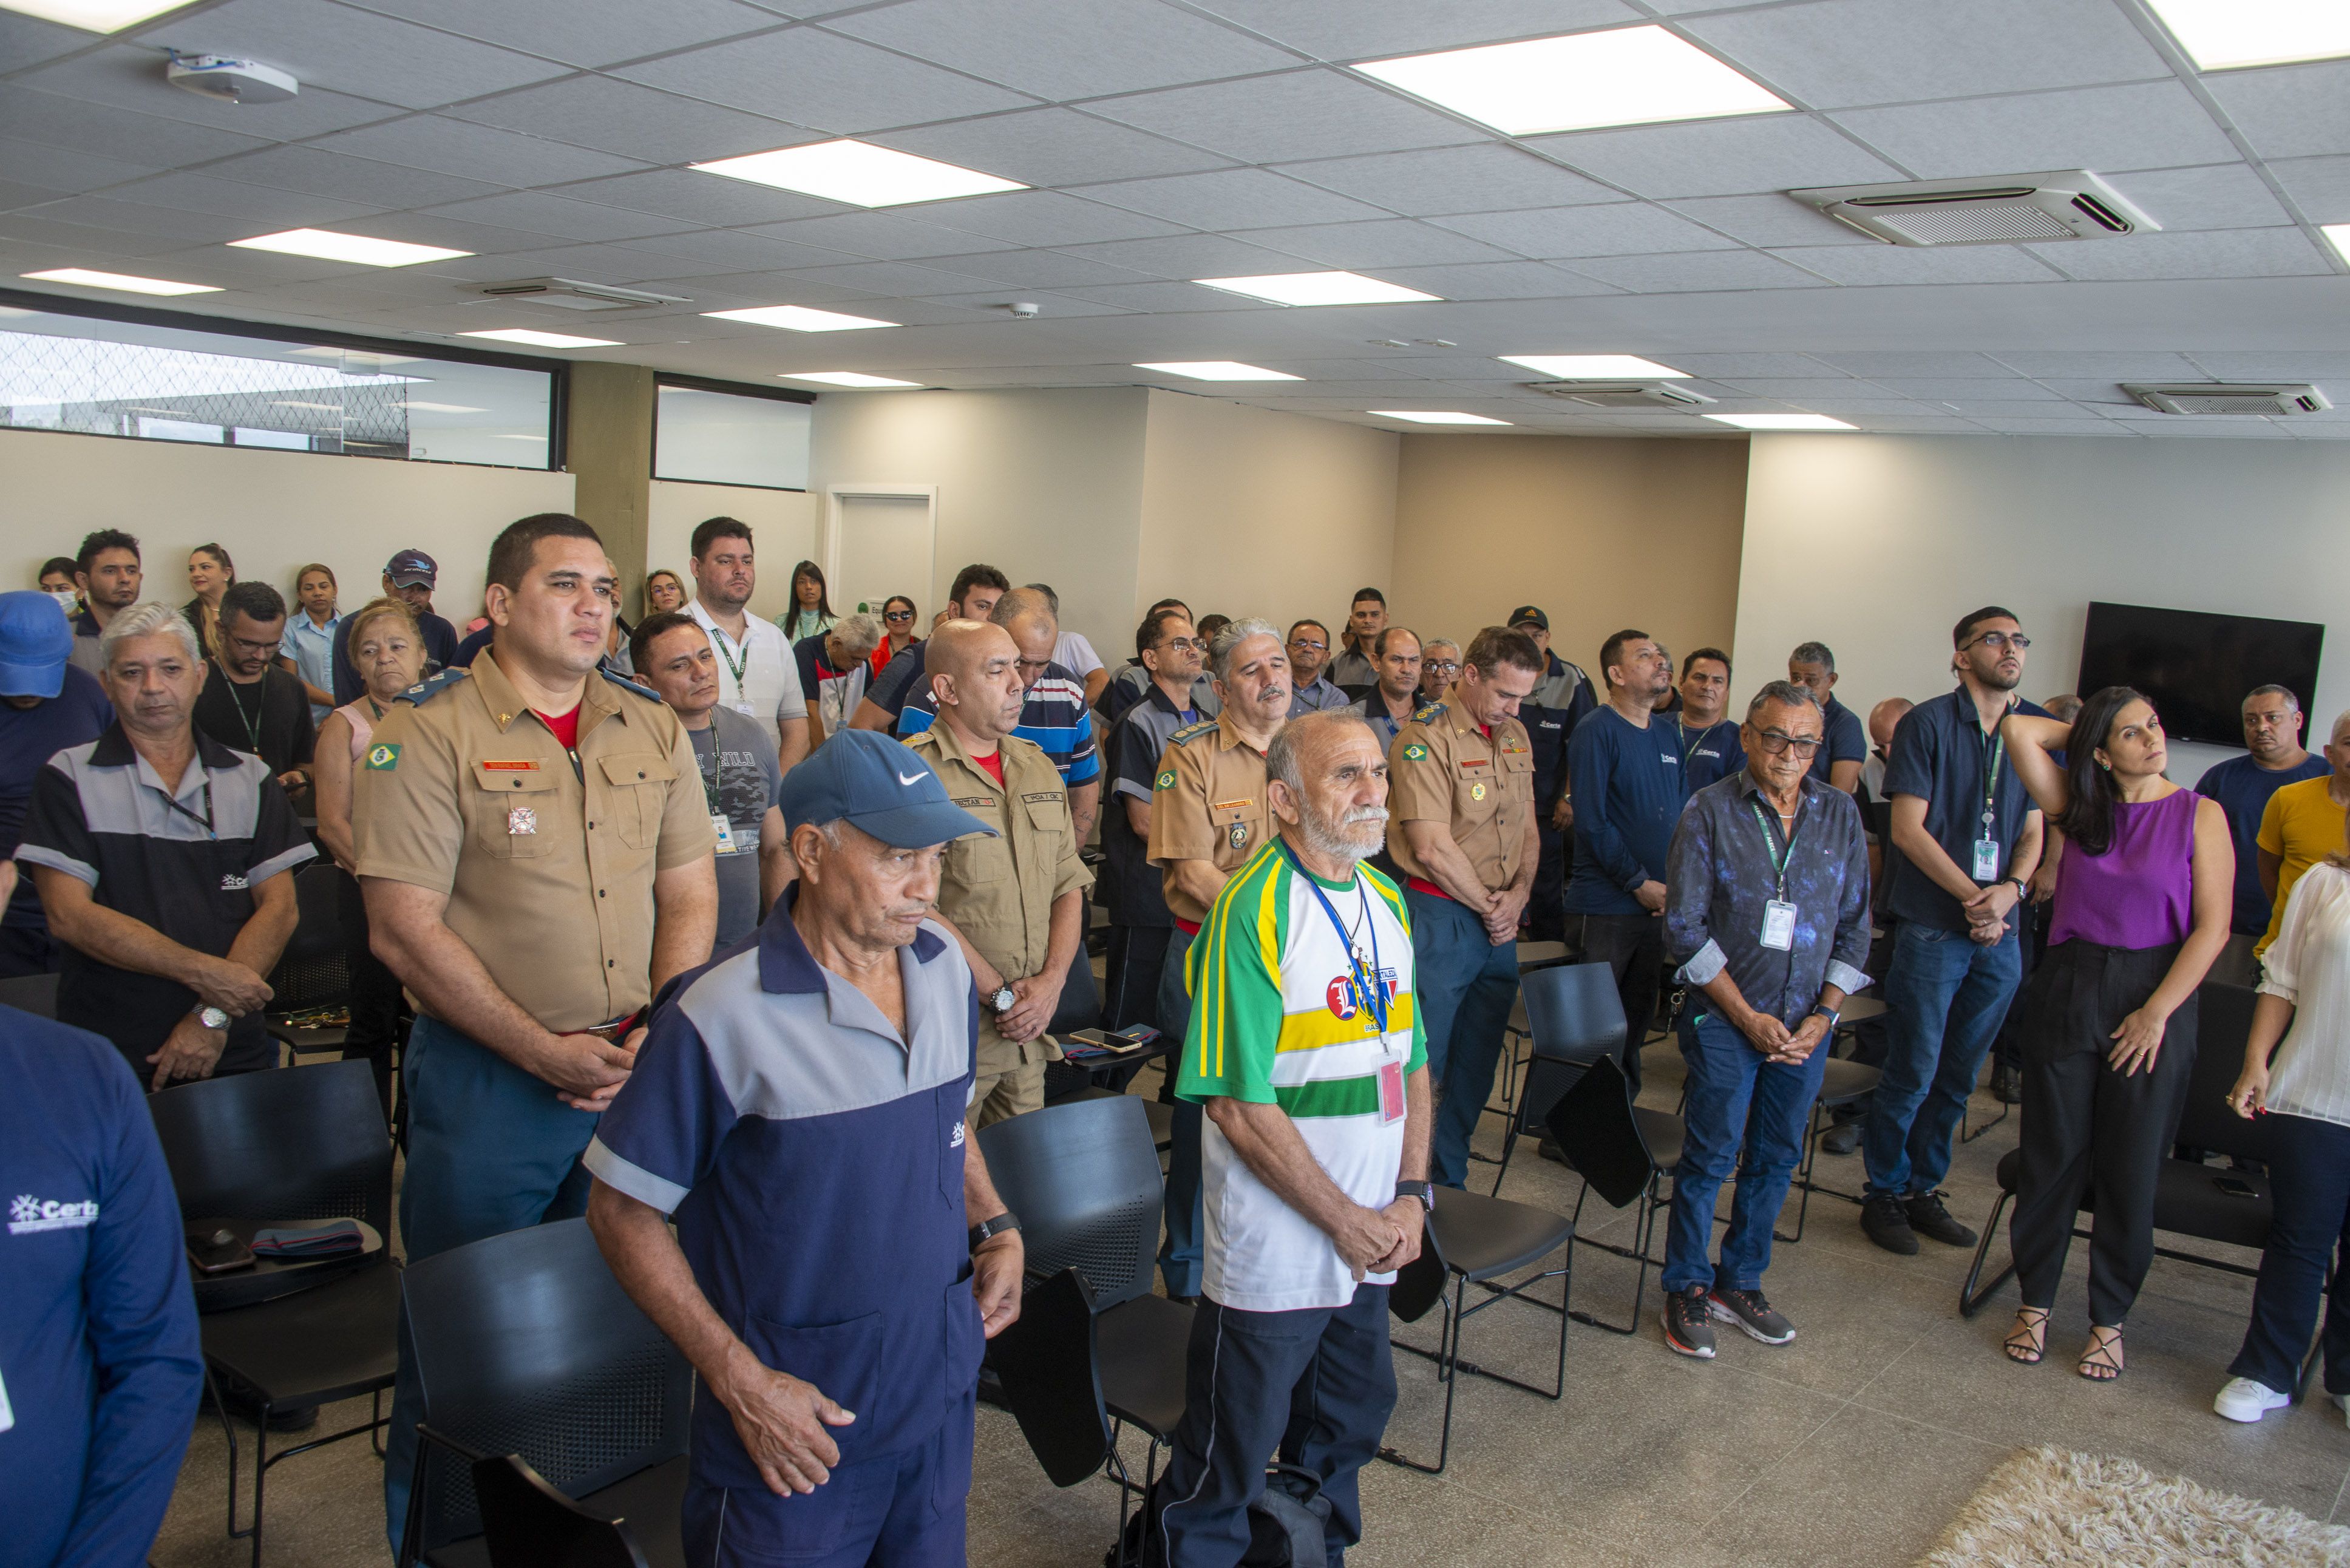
(2101, 1363)
(2027, 1343)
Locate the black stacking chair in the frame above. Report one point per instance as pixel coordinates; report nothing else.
(1161, 1116)
(1083, 1179)
(527, 1523)
(1049, 1364)
(526, 1345)
(1576, 1018)
(1842, 1082)
(303, 1143)
(33, 993)
(1624, 1152)
(314, 970)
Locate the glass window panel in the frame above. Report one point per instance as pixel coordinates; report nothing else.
(721, 438)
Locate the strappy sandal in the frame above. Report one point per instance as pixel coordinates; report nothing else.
(2100, 1362)
(2027, 1343)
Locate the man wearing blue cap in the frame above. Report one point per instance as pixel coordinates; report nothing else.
(409, 576)
(47, 704)
(813, 1085)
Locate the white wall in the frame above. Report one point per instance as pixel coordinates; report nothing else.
(783, 533)
(272, 511)
(1877, 544)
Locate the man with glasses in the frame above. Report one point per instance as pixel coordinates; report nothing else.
(1970, 839)
(1133, 890)
(2242, 786)
(1309, 655)
(250, 704)
(1440, 667)
(1561, 698)
(1813, 667)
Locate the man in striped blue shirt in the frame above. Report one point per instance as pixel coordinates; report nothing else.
(1054, 717)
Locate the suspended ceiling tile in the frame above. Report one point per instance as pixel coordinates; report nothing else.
(1719, 157)
(592, 263)
(723, 249)
(353, 51)
(1496, 280)
(892, 279)
(1298, 114)
(2213, 196)
(1969, 391)
(1772, 221)
(1067, 48)
(881, 236)
(634, 122)
(2060, 366)
(2056, 427)
(1051, 147)
(2234, 252)
(1037, 269)
(1898, 265)
(1485, 177)
(111, 133)
(1735, 367)
(2106, 396)
(1231, 199)
(1050, 305)
(693, 197)
(2319, 186)
(1879, 364)
(582, 34)
(316, 172)
(2151, 125)
(2271, 365)
(1392, 242)
(1622, 228)
(1806, 390)
(813, 78)
(1045, 218)
(259, 209)
(473, 152)
(13, 195)
(1155, 298)
(1698, 273)
(85, 240)
(1194, 256)
(126, 76)
(2289, 111)
(1368, 29)
(140, 218)
(28, 41)
(454, 234)
(539, 212)
(2014, 407)
(64, 168)
(2237, 427)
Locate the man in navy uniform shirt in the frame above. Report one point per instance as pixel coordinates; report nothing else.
(815, 1087)
(1812, 665)
(2274, 758)
(1708, 741)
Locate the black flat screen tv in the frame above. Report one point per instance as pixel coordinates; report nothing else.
(2196, 667)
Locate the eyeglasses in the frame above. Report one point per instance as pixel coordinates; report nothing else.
(1441, 666)
(897, 615)
(1186, 643)
(1996, 640)
(1778, 741)
(1307, 644)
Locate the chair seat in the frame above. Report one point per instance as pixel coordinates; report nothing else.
(1845, 1082)
(1856, 1008)
(651, 1503)
(1482, 1237)
(312, 1347)
(1663, 1135)
(2187, 1201)
(1143, 1345)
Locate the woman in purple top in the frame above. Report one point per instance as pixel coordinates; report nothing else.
(2143, 898)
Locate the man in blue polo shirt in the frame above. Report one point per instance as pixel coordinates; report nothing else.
(1970, 839)
(1837, 763)
(1626, 779)
(799, 1110)
(1707, 739)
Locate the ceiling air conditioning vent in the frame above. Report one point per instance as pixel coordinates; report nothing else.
(2225, 398)
(2017, 209)
(1622, 394)
(570, 293)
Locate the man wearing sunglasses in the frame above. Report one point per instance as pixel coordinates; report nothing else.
(1970, 839)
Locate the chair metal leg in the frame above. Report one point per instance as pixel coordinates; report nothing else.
(1971, 1301)
(1969, 1134)
(1643, 1228)
(1812, 1132)
(1509, 1146)
(260, 1475)
(1447, 1356)
(228, 1431)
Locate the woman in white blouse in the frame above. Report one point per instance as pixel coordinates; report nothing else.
(2303, 1085)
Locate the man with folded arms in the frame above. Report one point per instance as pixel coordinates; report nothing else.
(1768, 915)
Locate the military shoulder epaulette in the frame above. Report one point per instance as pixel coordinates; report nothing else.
(1428, 713)
(426, 691)
(1191, 732)
(647, 692)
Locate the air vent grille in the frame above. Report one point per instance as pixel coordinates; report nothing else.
(1974, 225)
(2225, 398)
(570, 293)
(1622, 394)
(2023, 209)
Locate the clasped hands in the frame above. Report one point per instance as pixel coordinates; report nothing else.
(1987, 912)
(1381, 1240)
(1778, 1042)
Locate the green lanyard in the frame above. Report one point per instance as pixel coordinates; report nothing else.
(1990, 785)
(718, 640)
(252, 721)
(1689, 747)
(713, 783)
(1779, 860)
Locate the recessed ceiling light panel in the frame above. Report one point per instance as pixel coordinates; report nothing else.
(843, 378)
(2338, 236)
(361, 250)
(119, 281)
(1421, 417)
(1625, 75)
(798, 319)
(1781, 421)
(1317, 288)
(1220, 370)
(544, 339)
(1596, 367)
(93, 15)
(858, 173)
(2222, 35)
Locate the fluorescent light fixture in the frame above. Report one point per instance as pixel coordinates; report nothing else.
(1781, 421)
(798, 319)
(1317, 288)
(1596, 367)
(2224, 34)
(844, 379)
(115, 280)
(2339, 235)
(93, 15)
(359, 249)
(504, 436)
(858, 173)
(357, 355)
(1626, 76)
(1220, 370)
(1419, 418)
(545, 339)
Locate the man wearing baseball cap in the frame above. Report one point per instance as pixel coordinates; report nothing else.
(47, 704)
(409, 577)
(817, 1080)
(1562, 697)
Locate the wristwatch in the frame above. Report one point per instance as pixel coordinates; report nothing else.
(997, 1226)
(1423, 1190)
(211, 1018)
(2023, 889)
(1823, 1010)
(1002, 1000)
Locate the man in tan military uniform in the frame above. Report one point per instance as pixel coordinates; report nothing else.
(536, 854)
(1017, 900)
(1208, 815)
(1460, 788)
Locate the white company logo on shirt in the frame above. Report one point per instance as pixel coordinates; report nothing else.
(954, 1139)
(28, 1214)
(232, 882)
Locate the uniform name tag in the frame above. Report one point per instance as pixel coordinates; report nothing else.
(1986, 859)
(529, 767)
(725, 831)
(1390, 1093)
(1779, 924)
(1235, 804)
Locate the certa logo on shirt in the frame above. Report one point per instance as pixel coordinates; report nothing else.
(28, 1214)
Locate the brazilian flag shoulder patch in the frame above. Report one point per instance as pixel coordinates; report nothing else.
(1414, 752)
(1167, 779)
(384, 755)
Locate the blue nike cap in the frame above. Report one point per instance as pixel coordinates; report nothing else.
(866, 779)
(35, 639)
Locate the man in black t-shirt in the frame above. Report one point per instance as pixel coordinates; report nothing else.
(248, 704)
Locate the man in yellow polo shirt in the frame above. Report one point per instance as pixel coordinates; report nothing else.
(2301, 826)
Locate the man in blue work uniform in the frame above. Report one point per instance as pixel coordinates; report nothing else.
(817, 1082)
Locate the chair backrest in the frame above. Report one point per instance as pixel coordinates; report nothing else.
(314, 970)
(527, 1523)
(33, 993)
(1048, 1362)
(293, 1143)
(1596, 1131)
(1083, 1176)
(1577, 1019)
(1420, 1284)
(525, 1343)
(2223, 1023)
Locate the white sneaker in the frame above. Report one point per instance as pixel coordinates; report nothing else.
(2245, 1400)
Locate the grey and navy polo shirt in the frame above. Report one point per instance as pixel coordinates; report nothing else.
(183, 862)
(813, 1158)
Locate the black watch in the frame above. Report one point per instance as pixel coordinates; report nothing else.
(997, 1226)
(1822, 1010)
(1002, 1000)
(1423, 1190)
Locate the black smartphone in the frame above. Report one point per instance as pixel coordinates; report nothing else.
(215, 1247)
(2235, 1186)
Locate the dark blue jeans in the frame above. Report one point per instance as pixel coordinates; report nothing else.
(1462, 985)
(2309, 1173)
(1945, 997)
(1744, 1115)
(1181, 1255)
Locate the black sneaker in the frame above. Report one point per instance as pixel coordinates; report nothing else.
(1750, 1311)
(2007, 1085)
(1928, 1218)
(1885, 1218)
(1842, 1139)
(1687, 1329)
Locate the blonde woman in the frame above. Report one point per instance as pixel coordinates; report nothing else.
(389, 652)
(664, 593)
(210, 572)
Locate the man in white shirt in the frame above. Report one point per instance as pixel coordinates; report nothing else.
(757, 676)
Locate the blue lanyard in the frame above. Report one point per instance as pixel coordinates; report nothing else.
(1368, 994)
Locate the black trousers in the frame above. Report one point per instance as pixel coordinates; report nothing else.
(376, 1000)
(1633, 948)
(2031, 930)
(2088, 1125)
(1545, 906)
(1132, 960)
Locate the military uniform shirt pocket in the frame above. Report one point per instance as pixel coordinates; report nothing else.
(514, 809)
(640, 783)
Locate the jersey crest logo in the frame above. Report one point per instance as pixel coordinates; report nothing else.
(1415, 753)
(1167, 778)
(383, 756)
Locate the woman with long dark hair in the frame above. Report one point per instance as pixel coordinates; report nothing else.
(811, 612)
(2144, 896)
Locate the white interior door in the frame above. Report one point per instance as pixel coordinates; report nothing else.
(881, 544)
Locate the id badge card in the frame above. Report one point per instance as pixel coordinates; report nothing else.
(747, 710)
(725, 831)
(1390, 1093)
(1986, 859)
(1779, 924)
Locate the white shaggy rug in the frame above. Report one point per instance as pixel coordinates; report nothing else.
(2046, 1508)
